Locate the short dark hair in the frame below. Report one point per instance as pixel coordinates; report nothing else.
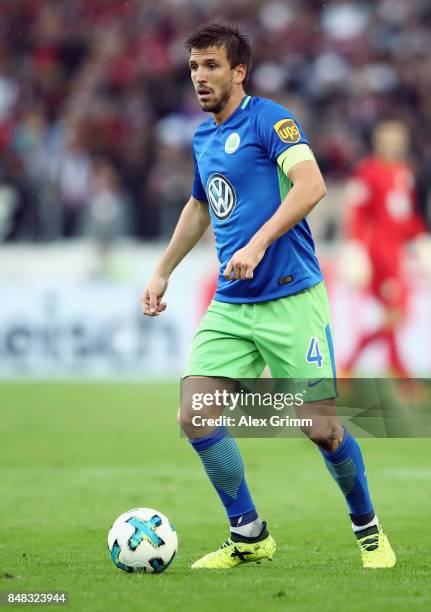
(222, 34)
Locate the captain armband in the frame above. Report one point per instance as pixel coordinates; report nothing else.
(294, 155)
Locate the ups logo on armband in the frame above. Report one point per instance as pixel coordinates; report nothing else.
(287, 131)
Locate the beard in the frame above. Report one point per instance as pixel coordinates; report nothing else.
(216, 106)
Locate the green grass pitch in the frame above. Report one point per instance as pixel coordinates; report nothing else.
(74, 457)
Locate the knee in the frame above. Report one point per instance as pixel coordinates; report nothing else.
(326, 434)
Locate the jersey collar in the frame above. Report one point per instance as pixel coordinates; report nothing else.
(241, 106)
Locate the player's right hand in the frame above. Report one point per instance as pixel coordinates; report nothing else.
(151, 303)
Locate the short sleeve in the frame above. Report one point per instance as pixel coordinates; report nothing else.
(198, 191)
(281, 135)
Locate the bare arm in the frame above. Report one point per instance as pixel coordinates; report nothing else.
(308, 188)
(191, 226)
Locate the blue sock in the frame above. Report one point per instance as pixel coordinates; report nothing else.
(347, 468)
(224, 466)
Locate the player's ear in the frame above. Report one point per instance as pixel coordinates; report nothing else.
(240, 73)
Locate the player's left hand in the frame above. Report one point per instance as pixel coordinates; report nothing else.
(422, 248)
(243, 263)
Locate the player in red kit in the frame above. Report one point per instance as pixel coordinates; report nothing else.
(382, 218)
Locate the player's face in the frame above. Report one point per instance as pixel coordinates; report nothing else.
(391, 140)
(213, 78)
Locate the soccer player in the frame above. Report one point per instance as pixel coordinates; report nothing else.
(255, 180)
(382, 218)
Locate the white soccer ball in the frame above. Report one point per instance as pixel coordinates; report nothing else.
(142, 540)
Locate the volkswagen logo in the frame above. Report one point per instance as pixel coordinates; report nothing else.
(221, 196)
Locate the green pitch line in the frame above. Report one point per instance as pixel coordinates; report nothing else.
(73, 457)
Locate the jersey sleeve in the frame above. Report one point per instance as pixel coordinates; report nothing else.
(282, 136)
(198, 191)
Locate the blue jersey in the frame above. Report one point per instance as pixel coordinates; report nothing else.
(241, 170)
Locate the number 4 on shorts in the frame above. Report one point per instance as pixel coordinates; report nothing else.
(313, 353)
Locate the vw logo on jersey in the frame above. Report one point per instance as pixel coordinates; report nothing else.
(221, 196)
(232, 143)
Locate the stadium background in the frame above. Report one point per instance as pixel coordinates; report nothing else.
(96, 118)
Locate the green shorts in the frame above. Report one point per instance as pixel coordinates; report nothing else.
(291, 335)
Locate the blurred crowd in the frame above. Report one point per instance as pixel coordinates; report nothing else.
(97, 111)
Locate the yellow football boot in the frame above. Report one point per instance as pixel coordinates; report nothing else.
(234, 552)
(375, 548)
